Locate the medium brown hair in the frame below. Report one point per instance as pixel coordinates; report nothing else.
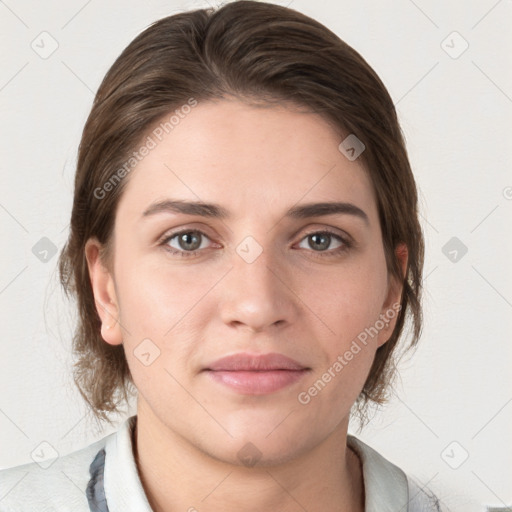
(257, 52)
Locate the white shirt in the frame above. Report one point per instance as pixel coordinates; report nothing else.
(62, 486)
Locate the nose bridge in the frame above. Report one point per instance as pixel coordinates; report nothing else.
(254, 293)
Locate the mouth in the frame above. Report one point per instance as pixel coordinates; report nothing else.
(256, 374)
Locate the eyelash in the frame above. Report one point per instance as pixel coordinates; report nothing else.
(347, 244)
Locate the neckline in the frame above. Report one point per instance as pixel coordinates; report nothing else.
(385, 485)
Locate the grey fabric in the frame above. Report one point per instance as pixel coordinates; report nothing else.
(422, 499)
(95, 491)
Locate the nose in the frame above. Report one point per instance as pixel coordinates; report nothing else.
(258, 295)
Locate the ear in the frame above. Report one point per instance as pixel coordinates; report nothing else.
(392, 304)
(105, 298)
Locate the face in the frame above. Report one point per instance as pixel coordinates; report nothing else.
(260, 271)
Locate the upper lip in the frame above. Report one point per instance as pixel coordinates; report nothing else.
(255, 362)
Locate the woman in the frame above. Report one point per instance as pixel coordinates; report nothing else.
(244, 250)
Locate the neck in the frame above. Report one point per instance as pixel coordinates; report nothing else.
(178, 476)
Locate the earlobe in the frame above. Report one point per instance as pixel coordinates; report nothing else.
(102, 283)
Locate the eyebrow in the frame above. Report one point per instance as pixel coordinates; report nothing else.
(213, 210)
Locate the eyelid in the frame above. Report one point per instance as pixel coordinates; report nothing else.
(184, 229)
(343, 235)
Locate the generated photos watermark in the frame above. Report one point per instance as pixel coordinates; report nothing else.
(304, 397)
(151, 142)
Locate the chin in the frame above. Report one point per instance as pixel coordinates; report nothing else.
(259, 445)
(256, 455)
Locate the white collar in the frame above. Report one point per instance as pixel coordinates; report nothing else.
(386, 487)
(123, 488)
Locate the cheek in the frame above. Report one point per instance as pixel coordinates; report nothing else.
(348, 349)
(165, 311)
(157, 304)
(350, 298)
(154, 298)
(349, 303)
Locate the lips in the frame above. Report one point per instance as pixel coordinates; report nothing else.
(256, 374)
(257, 362)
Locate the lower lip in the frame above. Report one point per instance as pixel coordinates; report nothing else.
(257, 382)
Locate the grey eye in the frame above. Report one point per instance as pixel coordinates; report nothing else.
(187, 241)
(321, 241)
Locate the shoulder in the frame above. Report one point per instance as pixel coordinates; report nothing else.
(56, 484)
(389, 488)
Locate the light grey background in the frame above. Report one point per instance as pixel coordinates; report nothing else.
(454, 398)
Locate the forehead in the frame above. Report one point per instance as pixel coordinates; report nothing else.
(248, 159)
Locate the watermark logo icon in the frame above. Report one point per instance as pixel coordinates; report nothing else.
(249, 455)
(454, 249)
(146, 352)
(44, 249)
(454, 45)
(45, 45)
(249, 249)
(454, 455)
(44, 454)
(352, 147)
